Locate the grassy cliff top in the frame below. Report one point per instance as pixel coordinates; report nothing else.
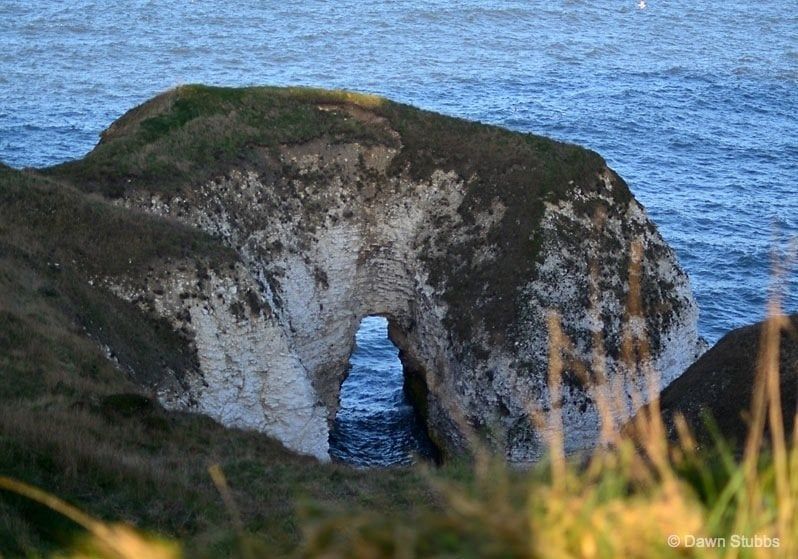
(195, 132)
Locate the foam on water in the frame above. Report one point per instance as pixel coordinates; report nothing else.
(693, 103)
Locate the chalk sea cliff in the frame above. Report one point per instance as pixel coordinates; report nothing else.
(330, 206)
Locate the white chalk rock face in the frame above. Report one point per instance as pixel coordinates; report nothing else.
(468, 250)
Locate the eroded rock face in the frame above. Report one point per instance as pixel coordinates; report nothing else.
(328, 231)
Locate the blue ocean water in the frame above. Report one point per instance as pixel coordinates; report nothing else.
(693, 103)
(376, 425)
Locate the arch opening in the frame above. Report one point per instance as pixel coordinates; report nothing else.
(377, 424)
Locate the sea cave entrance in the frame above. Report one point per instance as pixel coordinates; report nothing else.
(376, 424)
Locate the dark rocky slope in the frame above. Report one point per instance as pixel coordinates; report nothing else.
(721, 382)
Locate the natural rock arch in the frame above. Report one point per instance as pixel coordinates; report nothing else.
(380, 420)
(463, 235)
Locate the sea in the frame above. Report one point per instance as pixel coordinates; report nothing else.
(695, 104)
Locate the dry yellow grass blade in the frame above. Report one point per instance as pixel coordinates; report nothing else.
(111, 541)
(220, 481)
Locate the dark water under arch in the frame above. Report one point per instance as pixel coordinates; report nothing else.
(376, 424)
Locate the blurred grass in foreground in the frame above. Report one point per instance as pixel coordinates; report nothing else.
(640, 495)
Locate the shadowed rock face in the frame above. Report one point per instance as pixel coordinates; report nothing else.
(721, 384)
(464, 236)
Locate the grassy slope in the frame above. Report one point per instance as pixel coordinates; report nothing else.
(719, 383)
(64, 425)
(62, 238)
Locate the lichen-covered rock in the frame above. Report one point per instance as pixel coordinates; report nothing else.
(464, 236)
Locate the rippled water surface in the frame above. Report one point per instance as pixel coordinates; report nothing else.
(693, 103)
(376, 425)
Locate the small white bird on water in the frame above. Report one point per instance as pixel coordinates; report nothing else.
(641, 5)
